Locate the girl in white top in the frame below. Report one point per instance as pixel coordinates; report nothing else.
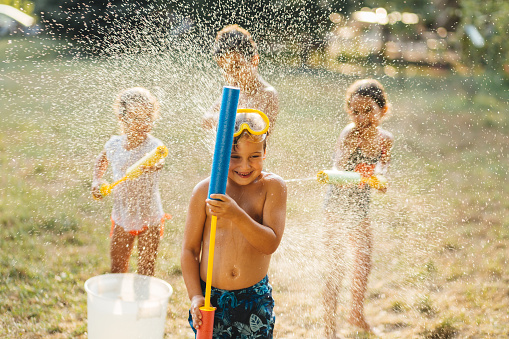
(137, 209)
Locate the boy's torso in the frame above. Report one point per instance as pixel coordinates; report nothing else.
(237, 264)
(257, 100)
(261, 99)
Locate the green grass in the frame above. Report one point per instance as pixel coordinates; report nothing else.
(443, 330)
(441, 235)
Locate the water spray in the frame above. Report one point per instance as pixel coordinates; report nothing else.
(299, 180)
(134, 171)
(218, 179)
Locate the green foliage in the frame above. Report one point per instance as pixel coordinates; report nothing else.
(398, 307)
(491, 18)
(305, 22)
(425, 307)
(444, 330)
(26, 6)
(90, 22)
(266, 18)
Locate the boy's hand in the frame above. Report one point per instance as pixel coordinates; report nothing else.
(197, 302)
(223, 207)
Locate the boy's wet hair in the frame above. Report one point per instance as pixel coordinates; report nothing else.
(234, 38)
(367, 88)
(136, 96)
(250, 137)
(256, 124)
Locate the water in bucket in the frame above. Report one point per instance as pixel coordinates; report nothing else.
(126, 306)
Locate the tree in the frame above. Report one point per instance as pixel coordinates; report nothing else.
(90, 22)
(93, 20)
(26, 6)
(491, 18)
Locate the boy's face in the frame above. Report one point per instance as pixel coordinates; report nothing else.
(246, 162)
(236, 67)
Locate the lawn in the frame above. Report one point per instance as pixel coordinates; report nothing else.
(441, 231)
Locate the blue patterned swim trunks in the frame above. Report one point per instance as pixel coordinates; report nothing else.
(242, 314)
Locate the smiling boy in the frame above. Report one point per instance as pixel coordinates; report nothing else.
(250, 224)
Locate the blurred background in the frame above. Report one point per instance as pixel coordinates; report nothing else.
(462, 36)
(441, 233)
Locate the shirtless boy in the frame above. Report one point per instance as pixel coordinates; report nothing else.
(236, 54)
(250, 225)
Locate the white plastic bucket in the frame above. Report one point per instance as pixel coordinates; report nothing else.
(126, 306)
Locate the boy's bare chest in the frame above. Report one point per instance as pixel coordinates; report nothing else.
(251, 201)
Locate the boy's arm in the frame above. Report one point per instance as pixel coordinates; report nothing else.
(101, 165)
(210, 118)
(272, 107)
(191, 245)
(274, 212)
(264, 237)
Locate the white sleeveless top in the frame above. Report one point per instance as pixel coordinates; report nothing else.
(136, 202)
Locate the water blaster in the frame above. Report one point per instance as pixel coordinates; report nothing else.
(347, 178)
(218, 180)
(134, 171)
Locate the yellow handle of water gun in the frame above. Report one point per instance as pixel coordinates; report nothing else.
(210, 264)
(376, 181)
(150, 159)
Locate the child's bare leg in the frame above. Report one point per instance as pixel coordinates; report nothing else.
(148, 243)
(361, 239)
(120, 250)
(334, 247)
(330, 301)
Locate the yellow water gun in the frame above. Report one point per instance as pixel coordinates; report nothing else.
(350, 178)
(134, 171)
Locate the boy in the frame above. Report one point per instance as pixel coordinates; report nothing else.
(250, 225)
(236, 54)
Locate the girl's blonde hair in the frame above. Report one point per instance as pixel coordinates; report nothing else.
(136, 98)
